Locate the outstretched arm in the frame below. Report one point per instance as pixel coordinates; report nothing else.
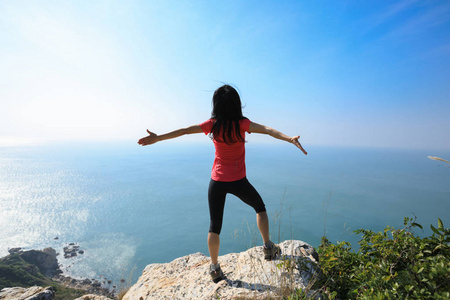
(257, 128)
(153, 137)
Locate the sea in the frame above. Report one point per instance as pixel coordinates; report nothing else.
(128, 206)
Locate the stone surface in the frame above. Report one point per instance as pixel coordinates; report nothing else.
(91, 287)
(247, 274)
(32, 293)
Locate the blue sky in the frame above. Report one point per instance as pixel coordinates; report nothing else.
(342, 73)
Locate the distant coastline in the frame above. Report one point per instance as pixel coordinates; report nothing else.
(46, 264)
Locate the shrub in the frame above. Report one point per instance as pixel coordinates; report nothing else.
(393, 264)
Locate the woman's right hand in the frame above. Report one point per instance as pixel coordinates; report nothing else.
(294, 140)
(148, 140)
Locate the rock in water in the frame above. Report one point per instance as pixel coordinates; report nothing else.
(71, 250)
(34, 293)
(247, 274)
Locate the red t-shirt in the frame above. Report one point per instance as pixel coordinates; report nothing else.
(229, 161)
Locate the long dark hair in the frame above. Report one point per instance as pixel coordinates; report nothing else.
(227, 112)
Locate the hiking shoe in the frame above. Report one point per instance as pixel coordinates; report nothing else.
(271, 251)
(216, 273)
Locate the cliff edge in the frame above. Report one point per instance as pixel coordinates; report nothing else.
(247, 275)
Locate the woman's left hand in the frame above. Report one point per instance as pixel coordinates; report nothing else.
(294, 140)
(148, 140)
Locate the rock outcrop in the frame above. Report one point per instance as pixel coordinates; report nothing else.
(247, 275)
(31, 265)
(32, 293)
(45, 260)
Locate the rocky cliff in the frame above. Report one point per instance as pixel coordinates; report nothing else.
(247, 275)
(24, 274)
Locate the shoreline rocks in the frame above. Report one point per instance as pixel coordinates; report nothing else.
(47, 263)
(90, 286)
(45, 260)
(93, 297)
(72, 250)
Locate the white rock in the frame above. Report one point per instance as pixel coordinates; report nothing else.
(247, 274)
(32, 293)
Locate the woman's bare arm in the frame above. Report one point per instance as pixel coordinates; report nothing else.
(258, 128)
(153, 137)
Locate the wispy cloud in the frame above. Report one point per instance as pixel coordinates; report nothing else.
(391, 11)
(414, 24)
(421, 22)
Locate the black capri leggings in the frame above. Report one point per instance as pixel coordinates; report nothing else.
(217, 192)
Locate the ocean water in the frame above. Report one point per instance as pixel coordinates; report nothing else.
(128, 206)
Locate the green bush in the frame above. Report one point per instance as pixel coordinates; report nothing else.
(14, 271)
(393, 264)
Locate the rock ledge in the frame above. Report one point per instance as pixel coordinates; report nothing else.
(247, 274)
(32, 293)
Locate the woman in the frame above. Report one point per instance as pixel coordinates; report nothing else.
(227, 127)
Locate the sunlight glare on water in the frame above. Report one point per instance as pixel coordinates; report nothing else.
(132, 206)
